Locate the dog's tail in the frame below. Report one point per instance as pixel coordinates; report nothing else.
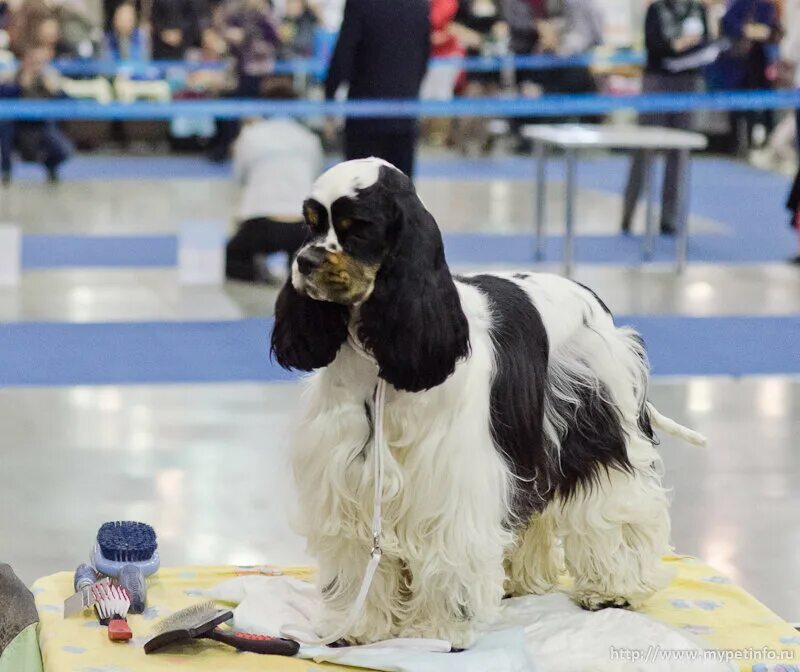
(673, 428)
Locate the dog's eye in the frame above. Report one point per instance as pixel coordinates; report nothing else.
(355, 230)
(313, 220)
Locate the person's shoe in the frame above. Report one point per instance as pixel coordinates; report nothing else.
(668, 229)
(52, 175)
(795, 261)
(626, 226)
(5, 178)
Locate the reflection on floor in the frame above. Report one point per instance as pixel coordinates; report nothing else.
(207, 464)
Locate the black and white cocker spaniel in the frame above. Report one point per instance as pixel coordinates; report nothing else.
(520, 439)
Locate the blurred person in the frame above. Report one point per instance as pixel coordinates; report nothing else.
(192, 132)
(753, 26)
(126, 41)
(715, 10)
(673, 28)
(580, 32)
(790, 49)
(48, 35)
(525, 20)
(40, 141)
(110, 6)
(30, 24)
(440, 80)
(252, 37)
(481, 30)
(793, 205)
(275, 163)
(298, 29)
(5, 15)
(252, 41)
(176, 26)
(79, 36)
(382, 52)
(583, 27)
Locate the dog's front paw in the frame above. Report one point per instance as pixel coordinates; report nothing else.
(592, 600)
(460, 635)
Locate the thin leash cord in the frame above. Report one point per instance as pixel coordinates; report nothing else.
(303, 634)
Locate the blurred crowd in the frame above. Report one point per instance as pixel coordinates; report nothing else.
(246, 38)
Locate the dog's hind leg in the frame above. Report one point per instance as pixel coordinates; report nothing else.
(615, 533)
(535, 562)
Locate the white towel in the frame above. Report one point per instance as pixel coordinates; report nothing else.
(546, 632)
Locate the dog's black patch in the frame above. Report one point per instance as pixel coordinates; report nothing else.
(594, 294)
(610, 605)
(517, 396)
(595, 440)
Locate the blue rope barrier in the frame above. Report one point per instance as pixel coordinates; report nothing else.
(318, 68)
(546, 106)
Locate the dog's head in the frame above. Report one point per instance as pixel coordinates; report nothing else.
(373, 254)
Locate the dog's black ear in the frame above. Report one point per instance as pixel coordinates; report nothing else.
(413, 323)
(307, 334)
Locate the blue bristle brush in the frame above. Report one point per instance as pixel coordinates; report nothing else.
(125, 543)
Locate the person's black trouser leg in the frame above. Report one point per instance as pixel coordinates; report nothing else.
(260, 236)
(6, 146)
(55, 147)
(401, 151)
(633, 189)
(797, 127)
(398, 148)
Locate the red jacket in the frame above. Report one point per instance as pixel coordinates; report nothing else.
(443, 42)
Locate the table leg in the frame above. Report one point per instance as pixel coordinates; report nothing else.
(650, 195)
(569, 239)
(685, 181)
(541, 198)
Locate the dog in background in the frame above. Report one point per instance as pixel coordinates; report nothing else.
(520, 439)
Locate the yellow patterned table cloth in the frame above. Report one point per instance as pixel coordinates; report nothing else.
(699, 601)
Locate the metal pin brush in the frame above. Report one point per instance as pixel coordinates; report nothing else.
(201, 620)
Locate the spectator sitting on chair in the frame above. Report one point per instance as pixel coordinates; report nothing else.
(40, 141)
(252, 40)
(177, 25)
(248, 28)
(24, 25)
(126, 41)
(298, 29)
(275, 162)
(79, 36)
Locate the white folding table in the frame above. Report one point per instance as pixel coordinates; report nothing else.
(652, 140)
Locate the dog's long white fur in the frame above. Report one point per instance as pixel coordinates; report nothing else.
(677, 430)
(449, 551)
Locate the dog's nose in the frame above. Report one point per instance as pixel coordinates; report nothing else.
(309, 259)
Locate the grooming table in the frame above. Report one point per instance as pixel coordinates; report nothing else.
(574, 138)
(700, 601)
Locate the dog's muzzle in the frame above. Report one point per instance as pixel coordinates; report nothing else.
(310, 259)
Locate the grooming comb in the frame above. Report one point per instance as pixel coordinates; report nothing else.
(112, 606)
(201, 621)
